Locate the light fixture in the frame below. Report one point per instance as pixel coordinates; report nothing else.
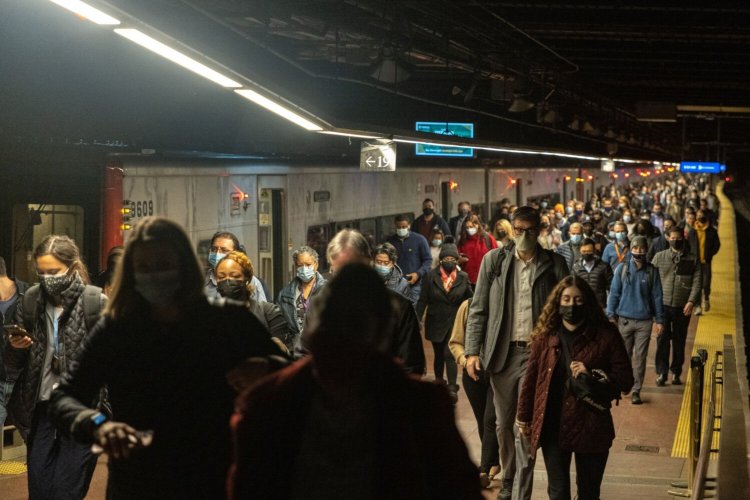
(176, 57)
(588, 128)
(349, 134)
(520, 103)
(632, 140)
(550, 117)
(610, 133)
(387, 68)
(575, 124)
(87, 11)
(621, 137)
(293, 117)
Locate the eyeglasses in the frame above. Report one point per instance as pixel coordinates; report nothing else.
(520, 230)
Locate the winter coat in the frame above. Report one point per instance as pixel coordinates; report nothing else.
(486, 333)
(599, 278)
(681, 278)
(288, 306)
(474, 248)
(30, 361)
(408, 461)
(171, 379)
(6, 319)
(581, 430)
(441, 306)
(569, 252)
(397, 283)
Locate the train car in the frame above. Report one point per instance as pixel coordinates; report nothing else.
(274, 208)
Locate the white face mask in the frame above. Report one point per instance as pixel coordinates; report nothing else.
(471, 231)
(402, 232)
(526, 241)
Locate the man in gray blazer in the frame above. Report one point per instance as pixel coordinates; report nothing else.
(511, 290)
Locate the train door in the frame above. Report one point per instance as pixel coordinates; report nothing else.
(32, 223)
(272, 245)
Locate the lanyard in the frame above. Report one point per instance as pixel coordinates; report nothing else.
(617, 250)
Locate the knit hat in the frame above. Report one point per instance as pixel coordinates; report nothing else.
(639, 241)
(448, 250)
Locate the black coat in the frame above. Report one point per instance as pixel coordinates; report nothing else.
(441, 306)
(600, 277)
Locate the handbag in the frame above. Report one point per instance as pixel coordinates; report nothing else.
(593, 390)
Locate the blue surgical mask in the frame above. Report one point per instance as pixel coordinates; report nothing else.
(305, 273)
(611, 235)
(214, 258)
(544, 204)
(569, 210)
(402, 232)
(437, 243)
(626, 219)
(576, 239)
(620, 235)
(383, 271)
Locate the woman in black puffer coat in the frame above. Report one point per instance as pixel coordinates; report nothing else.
(53, 316)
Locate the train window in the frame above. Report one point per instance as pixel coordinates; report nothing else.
(317, 239)
(33, 223)
(368, 227)
(348, 224)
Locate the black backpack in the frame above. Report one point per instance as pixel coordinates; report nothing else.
(92, 306)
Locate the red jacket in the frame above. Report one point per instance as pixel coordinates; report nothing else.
(474, 247)
(581, 430)
(419, 453)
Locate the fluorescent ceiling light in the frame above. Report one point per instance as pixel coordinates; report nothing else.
(258, 99)
(87, 11)
(157, 47)
(350, 134)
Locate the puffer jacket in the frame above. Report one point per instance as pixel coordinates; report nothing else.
(681, 278)
(30, 361)
(6, 319)
(288, 307)
(398, 283)
(581, 430)
(600, 277)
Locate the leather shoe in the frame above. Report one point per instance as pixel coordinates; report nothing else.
(636, 398)
(661, 380)
(676, 380)
(506, 492)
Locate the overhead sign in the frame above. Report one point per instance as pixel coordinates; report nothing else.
(608, 166)
(378, 156)
(463, 130)
(700, 167)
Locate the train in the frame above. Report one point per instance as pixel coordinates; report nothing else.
(273, 206)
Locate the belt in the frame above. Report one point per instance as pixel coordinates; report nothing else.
(519, 343)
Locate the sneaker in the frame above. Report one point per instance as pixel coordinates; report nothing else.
(636, 398)
(697, 311)
(676, 380)
(706, 305)
(661, 380)
(506, 492)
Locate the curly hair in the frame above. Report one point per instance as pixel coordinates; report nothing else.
(247, 268)
(550, 320)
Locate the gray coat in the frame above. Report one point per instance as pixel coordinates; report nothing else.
(485, 329)
(681, 278)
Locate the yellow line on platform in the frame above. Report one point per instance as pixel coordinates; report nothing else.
(712, 326)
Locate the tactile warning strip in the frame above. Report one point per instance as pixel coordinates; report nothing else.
(12, 467)
(712, 326)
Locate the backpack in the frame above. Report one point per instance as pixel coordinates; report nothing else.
(649, 275)
(92, 306)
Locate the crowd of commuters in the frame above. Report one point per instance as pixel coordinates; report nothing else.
(147, 367)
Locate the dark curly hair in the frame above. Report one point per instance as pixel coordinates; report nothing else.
(550, 320)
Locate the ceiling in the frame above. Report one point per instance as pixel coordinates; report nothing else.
(583, 60)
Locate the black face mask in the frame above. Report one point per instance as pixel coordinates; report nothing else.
(233, 289)
(639, 257)
(502, 234)
(588, 257)
(427, 211)
(449, 266)
(677, 244)
(702, 220)
(544, 225)
(574, 314)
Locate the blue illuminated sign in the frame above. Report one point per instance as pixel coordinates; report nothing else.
(463, 130)
(701, 167)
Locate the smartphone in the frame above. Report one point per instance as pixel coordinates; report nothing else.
(15, 330)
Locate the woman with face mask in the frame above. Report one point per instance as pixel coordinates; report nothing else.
(472, 245)
(386, 267)
(549, 236)
(503, 232)
(572, 337)
(437, 238)
(167, 357)
(234, 275)
(55, 317)
(294, 298)
(443, 291)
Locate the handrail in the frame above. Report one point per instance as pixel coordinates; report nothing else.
(699, 479)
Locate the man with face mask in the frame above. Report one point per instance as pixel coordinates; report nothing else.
(571, 249)
(429, 220)
(662, 242)
(680, 276)
(635, 304)
(595, 272)
(609, 213)
(511, 290)
(414, 256)
(708, 245)
(457, 222)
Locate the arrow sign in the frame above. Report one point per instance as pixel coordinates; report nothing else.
(378, 156)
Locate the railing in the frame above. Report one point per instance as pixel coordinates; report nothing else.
(699, 485)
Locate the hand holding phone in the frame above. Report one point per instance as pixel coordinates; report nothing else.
(18, 336)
